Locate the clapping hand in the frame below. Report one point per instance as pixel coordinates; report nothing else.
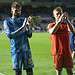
(60, 19)
(29, 21)
(64, 17)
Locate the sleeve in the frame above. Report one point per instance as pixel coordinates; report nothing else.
(22, 30)
(50, 26)
(29, 31)
(6, 29)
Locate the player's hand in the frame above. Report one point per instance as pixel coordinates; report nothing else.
(29, 21)
(65, 16)
(60, 19)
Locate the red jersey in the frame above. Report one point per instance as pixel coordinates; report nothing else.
(60, 39)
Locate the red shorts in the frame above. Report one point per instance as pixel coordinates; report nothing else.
(61, 61)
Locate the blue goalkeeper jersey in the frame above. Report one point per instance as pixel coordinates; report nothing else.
(18, 40)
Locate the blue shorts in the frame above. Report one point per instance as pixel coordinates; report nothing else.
(72, 41)
(22, 59)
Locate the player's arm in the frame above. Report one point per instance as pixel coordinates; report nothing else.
(6, 29)
(56, 26)
(29, 32)
(21, 29)
(29, 27)
(25, 28)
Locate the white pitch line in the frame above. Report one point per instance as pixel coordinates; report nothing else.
(2, 74)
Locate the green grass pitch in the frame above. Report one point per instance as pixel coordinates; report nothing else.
(40, 47)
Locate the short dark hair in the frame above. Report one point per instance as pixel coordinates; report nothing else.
(16, 5)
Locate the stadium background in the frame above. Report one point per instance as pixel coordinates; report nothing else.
(42, 8)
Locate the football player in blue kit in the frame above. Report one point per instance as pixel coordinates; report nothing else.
(18, 30)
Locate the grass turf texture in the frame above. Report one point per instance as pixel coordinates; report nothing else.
(40, 47)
